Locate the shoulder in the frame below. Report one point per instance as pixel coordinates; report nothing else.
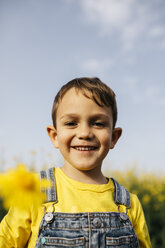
(123, 197)
(121, 194)
(137, 218)
(136, 211)
(134, 200)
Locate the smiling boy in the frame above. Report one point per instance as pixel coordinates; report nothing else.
(83, 208)
(84, 134)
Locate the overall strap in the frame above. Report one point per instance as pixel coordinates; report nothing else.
(49, 192)
(121, 194)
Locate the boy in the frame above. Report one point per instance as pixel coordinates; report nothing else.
(83, 207)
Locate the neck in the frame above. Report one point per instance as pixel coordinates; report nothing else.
(93, 176)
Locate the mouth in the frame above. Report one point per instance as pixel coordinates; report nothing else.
(85, 148)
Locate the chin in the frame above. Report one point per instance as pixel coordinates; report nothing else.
(83, 168)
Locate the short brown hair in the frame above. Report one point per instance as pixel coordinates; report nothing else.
(99, 92)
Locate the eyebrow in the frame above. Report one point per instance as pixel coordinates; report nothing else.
(95, 116)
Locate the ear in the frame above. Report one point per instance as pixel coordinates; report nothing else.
(116, 133)
(52, 133)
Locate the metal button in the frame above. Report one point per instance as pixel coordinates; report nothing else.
(43, 240)
(123, 216)
(49, 217)
(97, 222)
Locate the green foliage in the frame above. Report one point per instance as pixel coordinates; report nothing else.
(2, 210)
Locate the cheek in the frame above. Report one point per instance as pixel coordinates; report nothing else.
(106, 139)
(105, 144)
(63, 137)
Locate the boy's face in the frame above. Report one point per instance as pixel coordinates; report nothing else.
(83, 132)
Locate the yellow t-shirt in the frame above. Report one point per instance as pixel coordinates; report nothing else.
(17, 227)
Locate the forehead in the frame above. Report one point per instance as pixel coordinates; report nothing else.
(80, 102)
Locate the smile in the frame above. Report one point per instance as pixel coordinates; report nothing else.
(85, 148)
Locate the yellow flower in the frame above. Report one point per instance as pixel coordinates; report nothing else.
(21, 189)
(161, 198)
(146, 199)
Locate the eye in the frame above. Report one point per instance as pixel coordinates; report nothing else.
(99, 124)
(71, 123)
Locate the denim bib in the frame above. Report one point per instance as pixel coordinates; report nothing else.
(86, 230)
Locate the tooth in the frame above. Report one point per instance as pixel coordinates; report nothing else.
(84, 148)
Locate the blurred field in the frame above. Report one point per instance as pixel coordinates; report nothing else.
(150, 189)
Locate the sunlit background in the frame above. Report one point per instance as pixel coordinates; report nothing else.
(46, 43)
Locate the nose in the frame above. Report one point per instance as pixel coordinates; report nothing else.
(85, 132)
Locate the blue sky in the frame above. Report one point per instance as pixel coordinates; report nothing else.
(44, 44)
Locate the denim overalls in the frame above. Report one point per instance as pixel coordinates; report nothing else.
(82, 230)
